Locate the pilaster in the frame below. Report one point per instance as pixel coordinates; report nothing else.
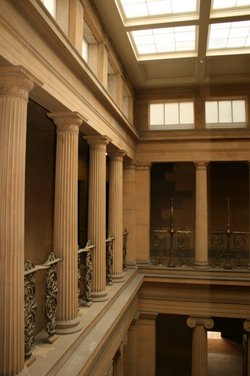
(116, 211)
(146, 339)
(97, 213)
(118, 362)
(201, 216)
(129, 211)
(66, 219)
(199, 344)
(15, 85)
(143, 213)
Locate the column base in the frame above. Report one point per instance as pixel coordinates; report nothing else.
(201, 265)
(99, 296)
(117, 278)
(131, 265)
(143, 263)
(24, 372)
(68, 327)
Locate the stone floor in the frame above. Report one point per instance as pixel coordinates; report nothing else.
(224, 358)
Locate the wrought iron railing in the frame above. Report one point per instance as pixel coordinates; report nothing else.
(109, 259)
(85, 274)
(30, 302)
(125, 244)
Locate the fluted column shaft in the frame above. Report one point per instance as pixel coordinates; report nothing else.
(15, 86)
(97, 213)
(201, 216)
(129, 210)
(118, 363)
(199, 344)
(65, 219)
(115, 220)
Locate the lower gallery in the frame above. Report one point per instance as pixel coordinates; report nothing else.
(124, 246)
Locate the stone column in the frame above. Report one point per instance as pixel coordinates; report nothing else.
(143, 213)
(66, 219)
(15, 85)
(97, 214)
(246, 326)
(118, 364)
(201, 216)
(129, 211)
(146, 340)
(199, 344)
(115, 219)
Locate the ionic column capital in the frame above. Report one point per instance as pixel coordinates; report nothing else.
(17, 82)
(97, 142)
(246, 325)
(68, 122)
(207, 322)
(116, 155)
(201, 165)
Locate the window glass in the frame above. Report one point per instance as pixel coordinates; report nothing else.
(51, 6)
(172, 115)
(157, 114)
(85, 50)
(225, 113)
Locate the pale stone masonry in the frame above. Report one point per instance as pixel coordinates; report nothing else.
(97, 213)
(66, 220)
(15, 85)
(115, 217)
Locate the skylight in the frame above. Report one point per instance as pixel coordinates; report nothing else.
(164, 40)
(230, 4)
(229, 35)
(149, 8)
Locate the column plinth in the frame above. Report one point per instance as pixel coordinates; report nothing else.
(116, 212)
(97, 214)
(199, 344)
(15, 85)
(66, 219)
(201, 216)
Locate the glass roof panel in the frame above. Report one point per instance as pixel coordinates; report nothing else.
(149, 8)
(229, 35)
(229, 4)
(165, 40)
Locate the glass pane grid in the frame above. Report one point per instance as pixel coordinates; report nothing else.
(225, 114)
(230, 4)
(151, 8)
(174, 115)
(164, 40)
(229, 35)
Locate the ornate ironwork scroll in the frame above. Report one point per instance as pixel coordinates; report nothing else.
(30, 305)
(51, 297)
(109, 259)
(125, 241)
(230, 245)
(169, 238)
(85, 274)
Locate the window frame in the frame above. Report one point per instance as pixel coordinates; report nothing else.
(167, 126)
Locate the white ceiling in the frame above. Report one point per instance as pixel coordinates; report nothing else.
(196, 70)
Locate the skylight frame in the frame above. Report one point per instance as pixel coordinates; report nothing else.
(227, 41)
(157, 16)
(159, 51)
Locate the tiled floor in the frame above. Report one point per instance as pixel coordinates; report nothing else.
(224, 358)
